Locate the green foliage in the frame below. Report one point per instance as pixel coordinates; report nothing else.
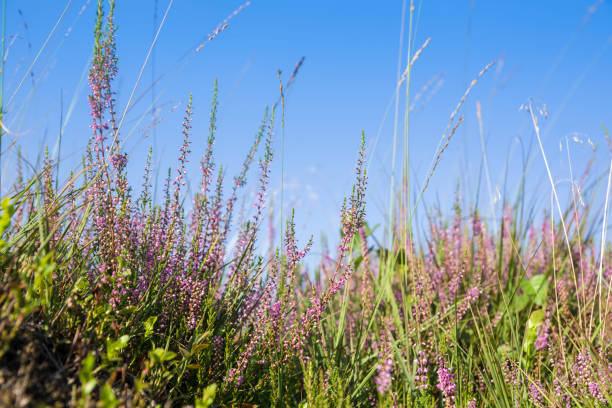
(115, 346)
(160, 356)
(88, 381)
(107, 397)
(208, 397)
(149, 325)
(536, 288)
(7, 211)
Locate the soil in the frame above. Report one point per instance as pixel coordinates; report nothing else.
(34, 371)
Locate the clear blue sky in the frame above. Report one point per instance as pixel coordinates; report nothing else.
(557, 53)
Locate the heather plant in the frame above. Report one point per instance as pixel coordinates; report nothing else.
(154, 306)
(475, 322)
(108, 298)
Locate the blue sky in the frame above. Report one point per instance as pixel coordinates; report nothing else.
(558, 54)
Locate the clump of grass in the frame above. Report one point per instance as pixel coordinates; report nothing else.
(111, 299)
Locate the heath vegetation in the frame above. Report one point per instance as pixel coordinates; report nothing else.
(108, 298)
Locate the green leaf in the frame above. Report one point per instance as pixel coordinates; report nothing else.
(107, 397)
(114, 347)
(199, 347)
(369, 231)
(202, 337)
(149, 324)
(159, 355)
(536, 288)
(536, 318)
(208, 397)
(5, 217)
(88, 382)
(184, 352)
(519, 303)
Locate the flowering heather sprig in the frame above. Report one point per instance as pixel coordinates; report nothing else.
(421, 364)
(352, 218)
(184, 151)
(456, 268)
(293, 254)
(595, 391)
(119, 160)
(266, 316)
(240, 180)
(47, 179)
(293, 257)
(103, 71)
(541, 341)
(582, 367)
(109, 195)
(214, 239)
(195, 303)
(584, 377)
(245, 246)
(479, 251)
(384, 368)
(207, 164)
(446, 382)
(367, 290)
(511, 374)
(145, 195)
(535, 393)
(267, 319)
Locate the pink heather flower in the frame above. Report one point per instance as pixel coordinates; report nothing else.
(473, 293)
(385, 364)
(584, 376)
(446, 384)
(476, 225)
(119, 160)
(421, 372)
(582, 365)
(536, 395)
(595, 391)
(542, 340)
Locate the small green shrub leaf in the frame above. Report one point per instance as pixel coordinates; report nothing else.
(536, 288)
(149, 324)
(114, 347)
(159, 355)
(208, 397)
(107, 397)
